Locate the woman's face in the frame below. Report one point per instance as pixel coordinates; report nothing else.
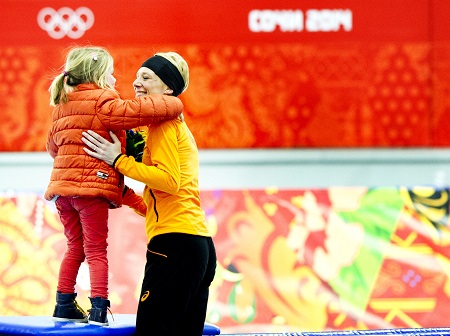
(147, 82)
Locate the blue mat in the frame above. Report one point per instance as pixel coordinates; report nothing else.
(375, 332)
(122, 325)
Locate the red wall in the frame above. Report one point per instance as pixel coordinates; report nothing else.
(266, 74)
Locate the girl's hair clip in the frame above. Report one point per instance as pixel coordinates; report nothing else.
(95, 58)
(65, 73)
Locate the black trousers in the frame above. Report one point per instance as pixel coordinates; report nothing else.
(174, 296)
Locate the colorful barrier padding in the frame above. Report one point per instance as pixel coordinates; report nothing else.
(338, 258)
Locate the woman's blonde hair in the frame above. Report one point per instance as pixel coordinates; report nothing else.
(180, 63)
(83, 65)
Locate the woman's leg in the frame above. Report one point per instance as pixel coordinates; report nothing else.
(194, 319)
(176, 267)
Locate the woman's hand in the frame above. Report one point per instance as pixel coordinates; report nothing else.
(101, 148)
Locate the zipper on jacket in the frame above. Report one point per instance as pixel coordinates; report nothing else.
(154, 204)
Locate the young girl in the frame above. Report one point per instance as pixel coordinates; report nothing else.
(84, 187)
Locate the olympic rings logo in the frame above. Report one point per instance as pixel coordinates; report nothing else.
(65, 21)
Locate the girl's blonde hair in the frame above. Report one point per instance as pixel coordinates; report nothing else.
(83, 65)
(180, 63)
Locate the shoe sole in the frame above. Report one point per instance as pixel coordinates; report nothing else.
(99, 323)
(62, 319)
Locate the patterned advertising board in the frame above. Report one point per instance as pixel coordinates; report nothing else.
(288, 260)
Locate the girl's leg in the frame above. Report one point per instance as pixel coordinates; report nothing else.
(74, 254)
(66, 308)
(94, 220)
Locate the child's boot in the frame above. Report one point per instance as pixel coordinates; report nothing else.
(67, 309)
(98, 312)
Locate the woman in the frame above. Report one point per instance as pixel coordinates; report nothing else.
(181, 258)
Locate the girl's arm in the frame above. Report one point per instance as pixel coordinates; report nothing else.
(118, 114)
(134, 201)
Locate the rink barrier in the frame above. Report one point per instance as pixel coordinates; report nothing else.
(124, 325)
(374, 332)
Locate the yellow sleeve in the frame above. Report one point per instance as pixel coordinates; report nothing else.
(161, 170)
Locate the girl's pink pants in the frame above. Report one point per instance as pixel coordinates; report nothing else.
(85, 223)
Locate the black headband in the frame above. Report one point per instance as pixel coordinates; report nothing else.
(167, 72)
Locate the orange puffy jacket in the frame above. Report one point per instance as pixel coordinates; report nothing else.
(75, 173)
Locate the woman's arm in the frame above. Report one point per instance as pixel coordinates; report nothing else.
(164, 175)
(107, 151)
(160, 170)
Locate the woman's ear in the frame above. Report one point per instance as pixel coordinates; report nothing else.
(168, 91)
